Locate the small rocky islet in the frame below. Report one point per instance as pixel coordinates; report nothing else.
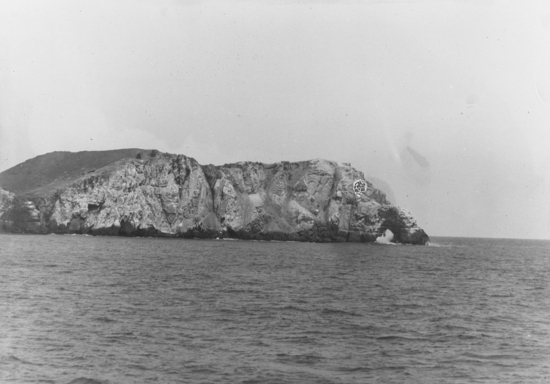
(136, 192)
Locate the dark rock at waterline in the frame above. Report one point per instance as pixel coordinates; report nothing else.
(150, 193)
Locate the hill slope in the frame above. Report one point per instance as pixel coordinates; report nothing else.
(55, 170)
(136, 192)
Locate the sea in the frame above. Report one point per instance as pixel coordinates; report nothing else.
(109, 310)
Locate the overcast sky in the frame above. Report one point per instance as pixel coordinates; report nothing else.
(448, 102)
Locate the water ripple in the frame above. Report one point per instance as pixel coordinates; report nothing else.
(102, 310)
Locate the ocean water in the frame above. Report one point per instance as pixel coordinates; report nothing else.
(89, 310)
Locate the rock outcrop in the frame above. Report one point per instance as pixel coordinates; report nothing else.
(149, 193)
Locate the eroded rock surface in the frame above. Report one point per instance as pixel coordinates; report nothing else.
(160, 194)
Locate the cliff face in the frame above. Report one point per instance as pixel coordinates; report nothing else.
(148, 193)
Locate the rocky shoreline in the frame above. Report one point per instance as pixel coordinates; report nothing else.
(150, 193)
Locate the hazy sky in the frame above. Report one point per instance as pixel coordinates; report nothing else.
(448, 102)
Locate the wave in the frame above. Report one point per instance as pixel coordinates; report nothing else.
(299, 359)
(139, 366)
(21, 361)
(339, 312)
(490, 357)
(430, 244)
(104, 319)
(355, 369)
(396, 337)
(308, 340)
(294, 308)
(369, 369)
(85, 380)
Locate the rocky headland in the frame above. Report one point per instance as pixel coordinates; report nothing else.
(134, 192)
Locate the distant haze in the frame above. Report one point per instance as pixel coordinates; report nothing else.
(445, 102)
